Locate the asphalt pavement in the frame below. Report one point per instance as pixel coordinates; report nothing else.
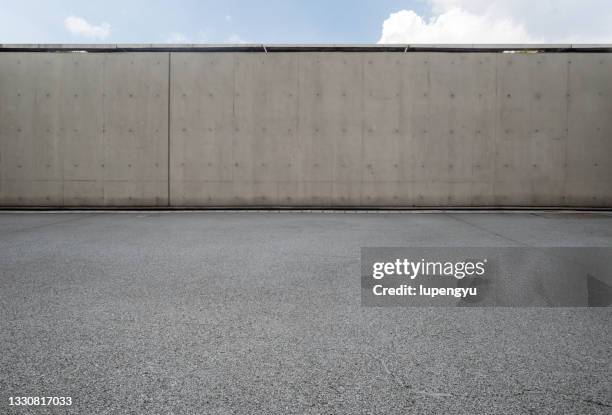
(260, 312)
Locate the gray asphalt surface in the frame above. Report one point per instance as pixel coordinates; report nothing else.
(226, 312)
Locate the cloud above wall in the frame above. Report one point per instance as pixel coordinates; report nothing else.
(502, 21)
(453, 26)
(81, 27)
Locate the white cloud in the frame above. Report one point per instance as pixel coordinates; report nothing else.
(503, 21)
(453, 26)
(81, 27)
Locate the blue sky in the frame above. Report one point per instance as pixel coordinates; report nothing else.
(270, 21)
(312, 21)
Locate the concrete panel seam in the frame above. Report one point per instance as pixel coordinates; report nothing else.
(168, 202)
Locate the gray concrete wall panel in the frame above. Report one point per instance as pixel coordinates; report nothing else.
(266, 145)
(202, 129)
(531, 129)
(135, 108)
(329, 128)
(83, 129)
(588, 172)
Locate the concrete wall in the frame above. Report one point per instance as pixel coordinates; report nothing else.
(83, 129)
(306, 129)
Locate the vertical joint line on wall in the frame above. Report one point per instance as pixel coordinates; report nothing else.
(169, 79)
(568, 97)
(234, 119)
(361, 144)
(496, 124)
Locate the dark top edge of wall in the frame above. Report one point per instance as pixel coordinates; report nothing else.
(262, 48)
